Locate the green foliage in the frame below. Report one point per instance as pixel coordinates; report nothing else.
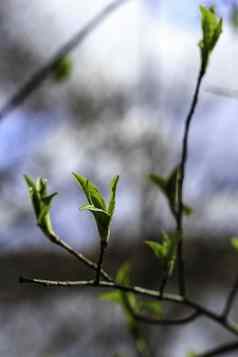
(211, 30)
(41, 203)
(169, 187)
(123, 274)
(166, 250)
(62, 69)
(192, 354)
(234, 243)
(102, 211)
(122, 298)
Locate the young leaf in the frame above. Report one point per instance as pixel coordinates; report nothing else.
(158, 249)
(165, 250)
(41, 203)
(152, 307)
(97, 205)
(112, 198)
(211, 30)
(62, 69)
(169, 187)
(113, 296)
(92, 193)
(123, 274)
(234, 243)
(158, 181)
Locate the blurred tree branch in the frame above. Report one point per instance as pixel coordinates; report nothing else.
(40, 75)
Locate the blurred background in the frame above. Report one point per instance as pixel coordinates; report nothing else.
(120, 111)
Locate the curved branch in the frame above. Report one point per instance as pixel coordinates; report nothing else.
(230, 300)
(40, 76)
(220, 350)
(177, 299)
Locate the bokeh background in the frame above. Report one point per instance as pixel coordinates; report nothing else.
(121, 111)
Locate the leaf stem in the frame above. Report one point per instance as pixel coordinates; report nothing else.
(82, 258)
(103, 246)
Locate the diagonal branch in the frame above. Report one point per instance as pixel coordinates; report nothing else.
(230, 299)
(40, 76)
(82, 258)
(220, 350)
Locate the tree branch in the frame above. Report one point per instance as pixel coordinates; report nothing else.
(220, 350)
(173, 298)
(82, 258)
(230, 300)
(181, 177)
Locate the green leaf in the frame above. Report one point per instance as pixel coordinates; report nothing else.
(234, 243)
(158, 181)
(41, 203)
(97, 205)
(169, 187)
(92, 193)
(192, 354)
(62, 69)
(91, 208)
(113, 296)
(165, 250)
(112, 198)
(158, 249)
(211, 26)
(152, 307)
(123, 274)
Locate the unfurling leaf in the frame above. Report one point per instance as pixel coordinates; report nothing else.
(113, 296)
(211, 30)
(153, 307)
(62, 69)
(169, 187)
(97, 205)
(112, 198)
(41, 203)
(123, 274)
(234, 242)
(165, 250)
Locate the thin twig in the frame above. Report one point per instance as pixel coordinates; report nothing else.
(166, 322)
(220, 350)
(173, 298)
(82, 258)
(40, 75)
(230, 300)
(181, 177)
(103, 246)
(160, 321)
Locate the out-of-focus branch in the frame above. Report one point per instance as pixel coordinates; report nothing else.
(40, 75)
(221, 350)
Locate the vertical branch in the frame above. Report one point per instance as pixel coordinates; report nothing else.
(181, 177)
(103, 246)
